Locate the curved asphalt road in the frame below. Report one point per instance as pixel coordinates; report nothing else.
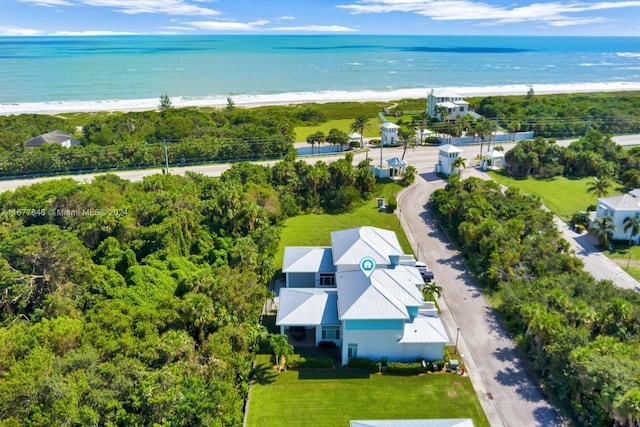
(509, 396)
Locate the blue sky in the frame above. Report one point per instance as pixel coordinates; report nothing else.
(442, 17)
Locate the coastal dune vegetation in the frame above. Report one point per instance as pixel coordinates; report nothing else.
(121, 140)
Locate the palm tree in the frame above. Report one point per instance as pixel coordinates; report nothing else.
(433, 289)
(441, 112)
(600, 187)
(458, 163)
(360, 124)
(632, 226)
(281, 348)
(604, 229)
(407, 139)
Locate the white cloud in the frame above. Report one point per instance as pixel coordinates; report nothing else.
(316, 28)
(17, 31)
(92, 33)
(228, 25)
(48, 3)
(135, 7)
(286, 18)
(552, 13)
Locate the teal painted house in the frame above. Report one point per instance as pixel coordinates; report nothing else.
(380, 316)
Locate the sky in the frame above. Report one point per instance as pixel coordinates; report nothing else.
(426, 17)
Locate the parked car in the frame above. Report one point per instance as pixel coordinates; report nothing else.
(427, 275)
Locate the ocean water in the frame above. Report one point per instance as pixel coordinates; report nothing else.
(120, 72)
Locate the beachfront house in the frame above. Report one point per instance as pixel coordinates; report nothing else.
(54, 137)
(440, 100)
(378, 315)
(619, 208)
(447, 154)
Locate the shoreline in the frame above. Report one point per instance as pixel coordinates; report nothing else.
(294, 98)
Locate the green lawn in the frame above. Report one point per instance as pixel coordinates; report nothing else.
(563, 196)
(628, 258)
(302, 132)
(333, 397)
(314, 230)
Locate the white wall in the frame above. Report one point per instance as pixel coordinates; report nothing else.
(375, 344)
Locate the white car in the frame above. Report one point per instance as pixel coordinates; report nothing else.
(427, 275)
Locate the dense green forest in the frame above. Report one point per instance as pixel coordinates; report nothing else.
(581, 336)
(138, 303)
(563, 115)
(594, 155)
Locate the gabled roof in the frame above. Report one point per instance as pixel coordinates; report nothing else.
(307, 259)
(396, 162)
(362, 298)
(401, 283)
(389, 125)
(444, 93)
(624, 202)
(424, 330)
(451, 422)
(494, 154)
(55, 137)
(350, 246)
(307, 307)
(449, 148)
(355, 135)
(635, 192)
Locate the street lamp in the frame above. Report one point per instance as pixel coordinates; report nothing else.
(457, 335)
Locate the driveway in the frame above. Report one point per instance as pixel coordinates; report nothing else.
(509, 396)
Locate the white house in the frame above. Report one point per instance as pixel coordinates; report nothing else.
(447, 154)
(619, 208)
(389, 133)
(453, 102)
(54, 137)
(377, 315)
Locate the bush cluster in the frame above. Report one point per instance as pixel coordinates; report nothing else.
(414, 368)
(299, 362)
(362, 363)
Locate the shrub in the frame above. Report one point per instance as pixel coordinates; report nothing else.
(298, 362)
(362, 363)
(404, 368)
(392, 203)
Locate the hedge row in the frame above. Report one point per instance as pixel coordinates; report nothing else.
(309, 362)
(362, 363)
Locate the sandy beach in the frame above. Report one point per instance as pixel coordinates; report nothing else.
(290, 98)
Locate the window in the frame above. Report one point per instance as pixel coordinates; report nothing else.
(331, 332)
(352, 350)
(327, 279)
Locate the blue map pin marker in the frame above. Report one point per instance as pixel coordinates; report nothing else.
(367, 266)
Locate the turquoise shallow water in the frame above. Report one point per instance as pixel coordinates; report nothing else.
(52, 69)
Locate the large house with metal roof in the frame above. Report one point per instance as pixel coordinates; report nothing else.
(619, 208)
(379, 315)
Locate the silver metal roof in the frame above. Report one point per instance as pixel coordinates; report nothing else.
(351, 245)
(424, 330)
(307, 307)
(307, 259)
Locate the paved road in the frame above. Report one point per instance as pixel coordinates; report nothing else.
(508, 395)
(595, 262)
(422, 157)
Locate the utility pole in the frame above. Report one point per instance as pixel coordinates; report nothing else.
(166, 156)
